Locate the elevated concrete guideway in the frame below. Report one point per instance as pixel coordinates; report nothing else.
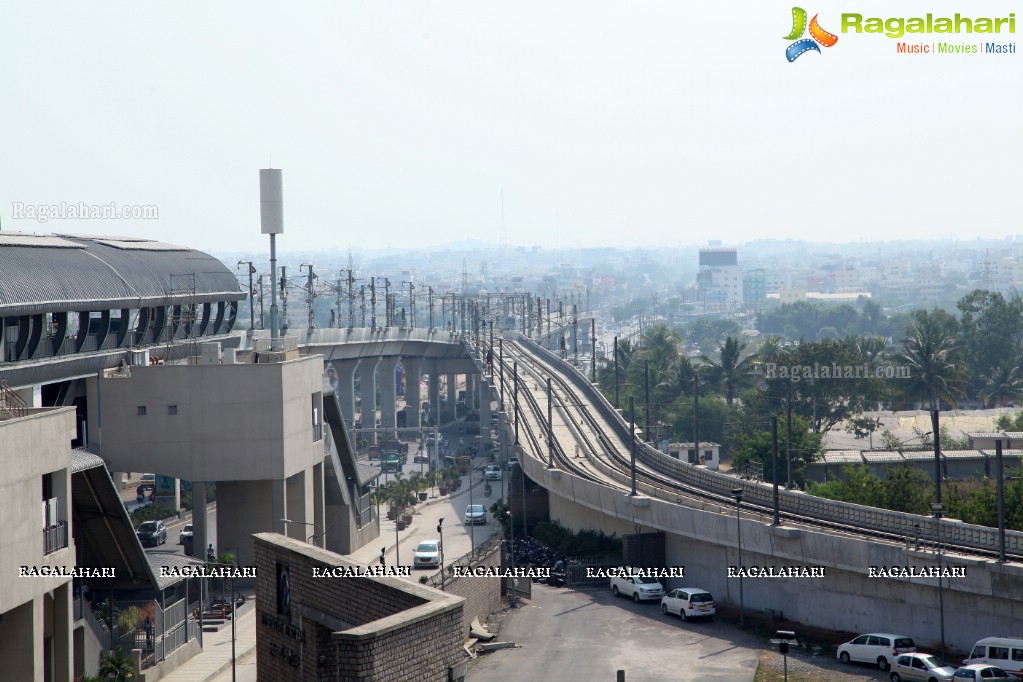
(358, 343)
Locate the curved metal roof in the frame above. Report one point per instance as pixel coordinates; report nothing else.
(50, 273)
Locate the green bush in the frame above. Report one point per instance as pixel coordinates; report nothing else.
(151, 513)
(581, 544)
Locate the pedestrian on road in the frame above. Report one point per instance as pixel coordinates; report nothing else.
(211, 556)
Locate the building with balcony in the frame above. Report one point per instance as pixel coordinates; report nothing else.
(36, 557)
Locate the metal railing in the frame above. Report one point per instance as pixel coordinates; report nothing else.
(278, 345)
(55, 537)
(364, 510)
(10, 402)
(482, 551)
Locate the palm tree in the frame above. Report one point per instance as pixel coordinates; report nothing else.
(86, 677)
(1003, 386)
(732, 371)
(937, 371)
(660, 347)
(119, 664)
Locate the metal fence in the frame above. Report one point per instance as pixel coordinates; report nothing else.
(364, 510)
(482, 551)
(576, 574)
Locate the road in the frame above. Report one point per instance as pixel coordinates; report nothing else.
(587, 635)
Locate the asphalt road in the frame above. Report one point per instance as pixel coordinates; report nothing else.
(569, 635)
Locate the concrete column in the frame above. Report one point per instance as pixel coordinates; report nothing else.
(92, 425)
(368, 396)
(296, 506)
(484, 403)
(199, 525)
(470, 391)
(319, 503)
(433, 392)
(21, 641)
(278, 503)
(452, 393)
(345, 389)
(63, 627)
(413, 399)
(388, 395)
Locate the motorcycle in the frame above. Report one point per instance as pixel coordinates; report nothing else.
(487, 490)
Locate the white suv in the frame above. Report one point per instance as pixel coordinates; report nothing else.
(638, 587)
(688, 602)
(880, 648)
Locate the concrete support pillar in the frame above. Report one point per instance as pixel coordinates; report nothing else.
(452, 394)
(368, 396)
(21, 641)
(63, 628)
(413, 398)
(296, 504)
(200, 531)
(278, 503)
(345, 389)
(388, 395)
(470, 390)
(319, 504)
(433, 393)
(484, 403)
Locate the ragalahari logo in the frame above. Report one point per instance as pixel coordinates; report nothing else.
(817, 35)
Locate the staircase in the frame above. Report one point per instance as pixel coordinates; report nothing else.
(11, 404)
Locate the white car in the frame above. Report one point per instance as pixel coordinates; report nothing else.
(688, 602)
(638, 587)
(876, 647)
(513, 461)
(920, 668)
(186, 534)
(492, 473)
(979, 671)
(475, 513)
(427, 555)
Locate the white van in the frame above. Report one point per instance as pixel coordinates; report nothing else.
(1004, 652)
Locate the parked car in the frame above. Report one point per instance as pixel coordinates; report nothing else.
(979, 671)
(186, 534)
(492, 473)
(922, 667)
(475, 514)
(879, 648)
(513, 461)
(689, 602)
(152, 533)
(639, 587)
(427, 554)
(1004, 652)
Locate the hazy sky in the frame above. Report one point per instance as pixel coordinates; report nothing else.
(604, 123)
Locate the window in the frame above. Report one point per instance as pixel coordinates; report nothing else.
(141, 410)
(172, 410)
(862, 639)
(979, 652)
(918, 664)
(1017, 654)
(1000, 653)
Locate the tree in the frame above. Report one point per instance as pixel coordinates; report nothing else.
(758, 446)
(117, 663)
(863, 427)
(706, 332)
(930, 351)
(1002, 387)
(733, 370)
(991, 327)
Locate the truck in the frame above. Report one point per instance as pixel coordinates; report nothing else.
(390, 462)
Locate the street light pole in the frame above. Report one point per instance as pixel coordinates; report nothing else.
(737, 494)
(440, 531)
(306, 523)
(939, 511)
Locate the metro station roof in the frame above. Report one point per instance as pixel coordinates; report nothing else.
(62, 272)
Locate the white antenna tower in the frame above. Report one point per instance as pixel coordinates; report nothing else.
(504, 233)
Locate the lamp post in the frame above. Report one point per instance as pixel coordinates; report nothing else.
(440, 531)
(472, 526)
(305, 523)
(938, 510)
(234, 614)
(252, 296)
(737, 494)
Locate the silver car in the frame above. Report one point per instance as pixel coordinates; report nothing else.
(922, 668)
(474, 514)
(427, 554)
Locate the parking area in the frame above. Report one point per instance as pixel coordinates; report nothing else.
(564, 634)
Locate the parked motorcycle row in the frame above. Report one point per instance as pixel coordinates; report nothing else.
(529, 552)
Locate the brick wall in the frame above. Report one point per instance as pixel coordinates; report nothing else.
(378, 629)
(482, 595)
